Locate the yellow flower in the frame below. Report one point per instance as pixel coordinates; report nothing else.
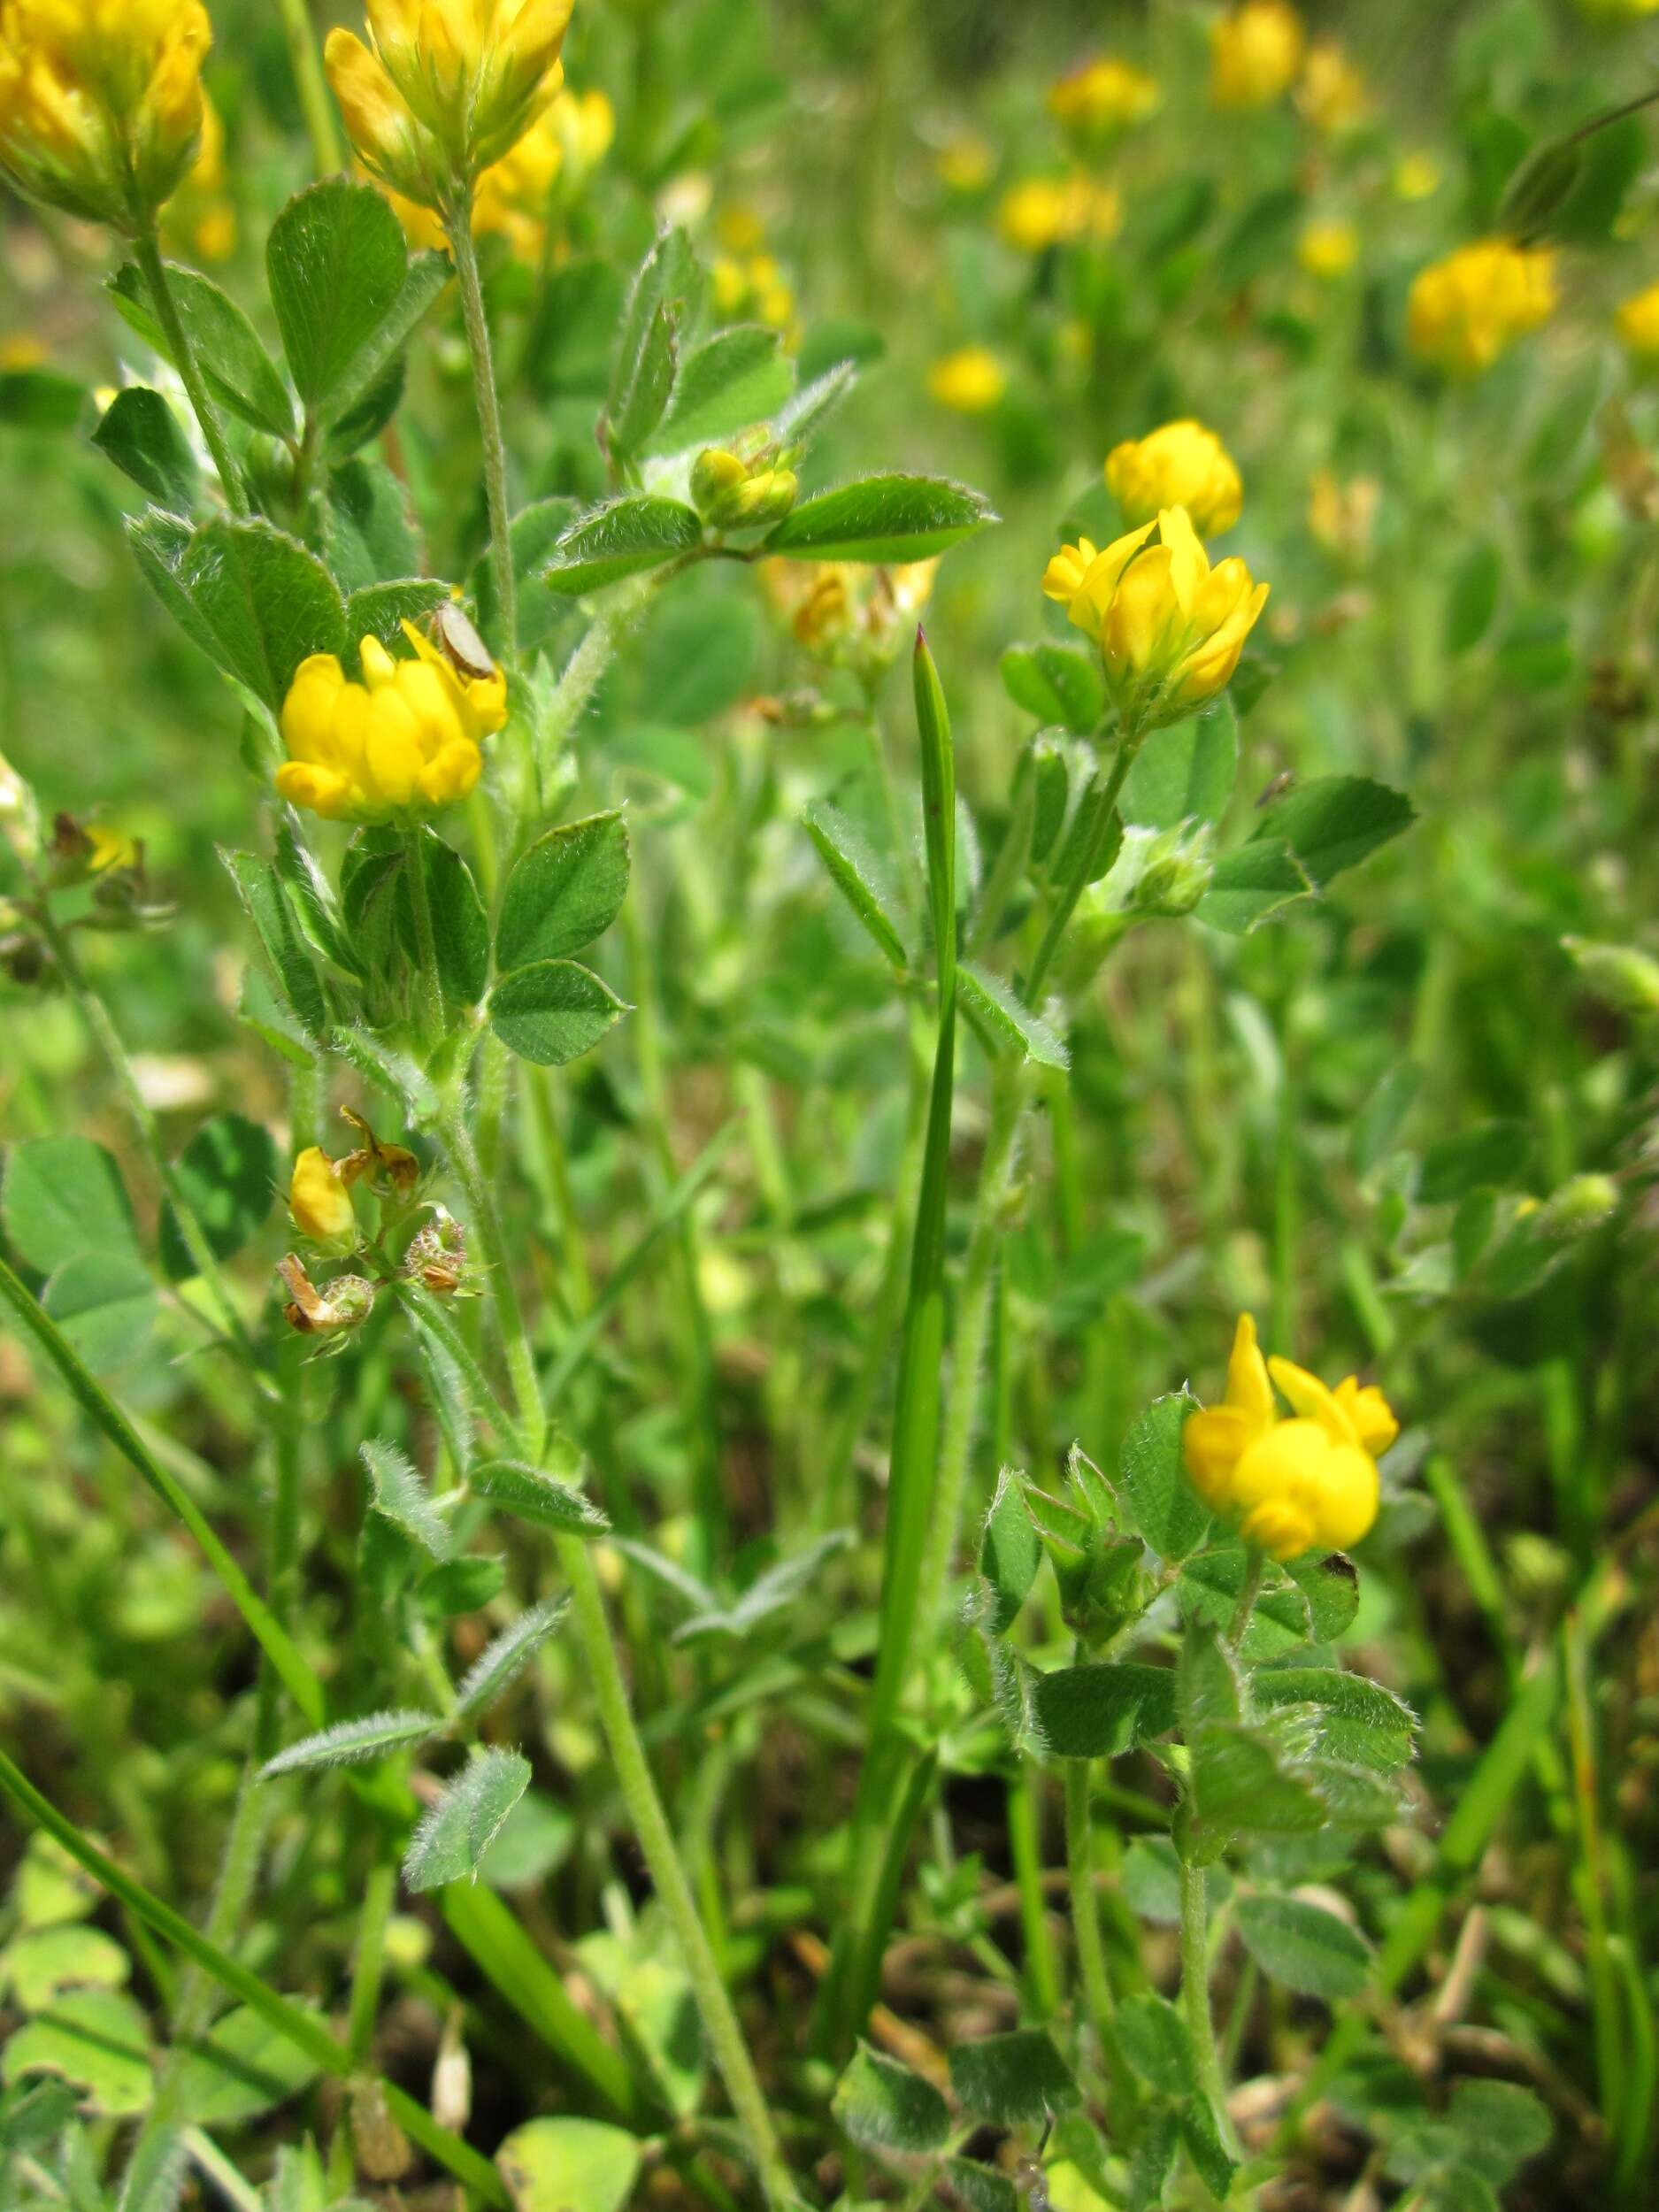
(1180, 464)
(1102, 96)
(101, 102)
(1255, 53)
(1332, 94)
(319, 1201)
(1342, 515)
(1637, 323)
(971, 380)
(1170, 628)
(964, 164)
(1328, 251)
(445, 87)
(1289, 1484)
(111, 849)
(1046, 212)
(1415, 177)
(1464, 311)
(403, 741)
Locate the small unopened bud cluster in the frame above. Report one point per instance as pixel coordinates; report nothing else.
(731, 493)
(437, 1258)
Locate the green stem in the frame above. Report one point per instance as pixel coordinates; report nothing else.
(974, 1314)
(301, 1682)
(1091, 851)
(1201, 2027)
(429, 981)
(458, 229)
(1085, 1931)
(299, 2027)
(521, 1369)
(656, 1840)
(1025, 1846)
(1255, 1568)
(309, 84)
(104, 1034)
(379, 1896)
(155, 274)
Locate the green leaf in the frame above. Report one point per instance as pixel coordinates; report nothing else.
(401, 1495)
(565, 2164)
(460, 927)
(1303, 1947)
(1013, 2079)
(349, 1742)
(778, 1591)
(668, 284)
(1101, 1710)
(367, 416)
(1152, 1479)
(1316, 1608)
(1239, 1786)
(1501, 2125)
(739, 376)
(260, 603)
(534, 1495)
(1360, 1722)
(1007, 1029)
(798, 421)
(63, 1197)
(568, 351)
(368, 533)
(229, 1174)
(640, 403)
(105, 1304)
(391, 1071)
(497, 1663)
(1209, 2154)
(532, 534)
(1251, 885)
(40, 399)
(141, 434)
(242, 2068)
(883, 2105)
(93, 2037)
(265, 898)
(861, 877)
(633, 534)
(1153, 2159)
(1208, 1685)
(552, 1011)
(1472, 599)
(566, 890)
(1495, 1152)
(1010, 1553)
(1184, 771)
(454, 1835)
(980, 2188)
(41, 1962)
(238, 371)
(1334, 822)
(881, 519)
(1056, 683)
(1153, 2037)
(345, 296)
(381, 610)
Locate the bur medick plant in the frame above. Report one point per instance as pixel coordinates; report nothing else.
(636, 1568)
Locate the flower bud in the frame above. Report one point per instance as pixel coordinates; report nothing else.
(717, 478)
(335, 1311)
(1255, 53)
(437, 1255)
(1623, 975)
(1174, 871)
(100, 105)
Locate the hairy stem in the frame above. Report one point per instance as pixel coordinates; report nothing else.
(458, 228)
(1201, 2027)
(521, 1369)
(428, 983)
(154, 269)
(1091, 851)
(309, 82)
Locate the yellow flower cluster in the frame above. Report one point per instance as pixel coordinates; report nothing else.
(1328, 251)
(101, 102)
(965, 163)
(1292, 1483)
(1469, 308)
(1102, 96)
(403, 741)
(844, 612)
(1255, 52)
(970, 381)
(1044, 211)
(752, 285)
(1180, 464)
(445, 89)
(563, 145)
(1332, 94)
(1170, 627)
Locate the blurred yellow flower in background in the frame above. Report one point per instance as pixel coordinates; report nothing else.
(101, 102)
(971, 380)
(1464, 311)
(1328, 251)
(1289, 1484)
(445, 87)
(1415, 177)
(404, 740)
(1342, 515)
(1180, 464)
(1170, 627)
(1332, 94)
(1044, 211)
(1103, 96)
(1628, 9)
(1255, 52)
(1636, 320)
(965, 164)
